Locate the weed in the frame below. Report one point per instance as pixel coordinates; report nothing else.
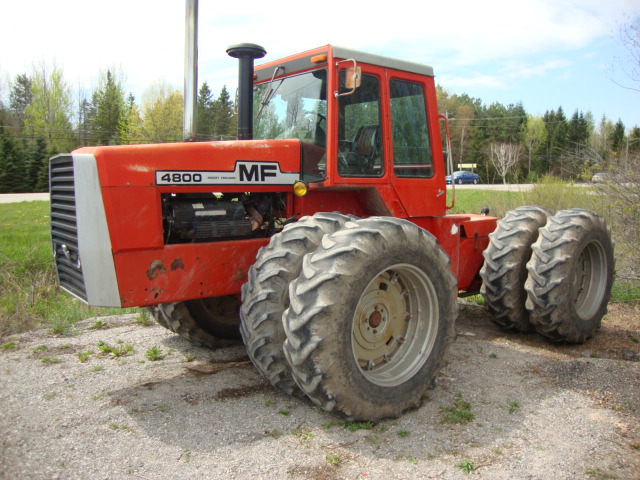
(267, 402)
(154, 354)
(493, 355)
(275, 433)
(9, 346)
(50, 395)
(39, 348)
(97, 368)
(115, 426)
(459, 413)
(383, 427)
(328, 425)
(372, 439)
(84, 356)
(413, 460)
(99, 396)
(188, 357)
(50, 360)
(302, 434)
(594, 355)
(466, 466)
(119, 351)
(403, 433)
(332, 459)
(285, 411)
(355, 426)
(99, 325)
(635, 446)
(513, 407)
(635, 340)
(143, 319)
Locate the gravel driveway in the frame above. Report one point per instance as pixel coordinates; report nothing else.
(527, 410)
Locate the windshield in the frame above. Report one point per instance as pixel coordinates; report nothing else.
(292, 107)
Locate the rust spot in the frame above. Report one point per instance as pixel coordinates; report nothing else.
(157, 267)
(238, 276)
(176, 264)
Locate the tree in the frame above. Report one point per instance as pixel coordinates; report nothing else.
(224, 122)
(534, 136)
(48, 115)
(206, 112)
(108, 103)
(617, 139)
(11, 164)
(130, 128)
(504, 156)
(162, 113)
(20, 98)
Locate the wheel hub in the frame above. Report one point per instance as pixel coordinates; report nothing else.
(395, 324)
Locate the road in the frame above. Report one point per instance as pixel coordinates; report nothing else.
(23, 197)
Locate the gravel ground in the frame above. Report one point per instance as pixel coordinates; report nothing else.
(541, 411)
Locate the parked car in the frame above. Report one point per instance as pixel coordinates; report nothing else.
(607, 177)
(463, 176)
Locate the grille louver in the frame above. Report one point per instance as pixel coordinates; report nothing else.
(64, 231)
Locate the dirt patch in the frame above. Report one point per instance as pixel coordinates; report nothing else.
(527, 409)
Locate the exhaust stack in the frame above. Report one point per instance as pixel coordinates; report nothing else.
(190, 119)
(246, 53)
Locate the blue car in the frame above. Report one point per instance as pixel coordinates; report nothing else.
(463, 176)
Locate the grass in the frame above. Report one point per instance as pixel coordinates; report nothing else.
(29, 297)
(458, 413)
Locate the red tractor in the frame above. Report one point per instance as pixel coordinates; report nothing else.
(321, 235)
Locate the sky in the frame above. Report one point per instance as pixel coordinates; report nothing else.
(543, 53)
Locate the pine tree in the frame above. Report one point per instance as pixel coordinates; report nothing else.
(224, 123)
(20, 98)
(108, 102)
(206, 112)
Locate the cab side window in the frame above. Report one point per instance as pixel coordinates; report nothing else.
(411, 147)
(359, 134)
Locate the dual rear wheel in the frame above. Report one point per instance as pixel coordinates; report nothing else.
(549, 273)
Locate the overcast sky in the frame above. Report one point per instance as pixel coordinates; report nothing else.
(543, 53)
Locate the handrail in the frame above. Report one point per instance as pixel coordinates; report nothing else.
(449, 160)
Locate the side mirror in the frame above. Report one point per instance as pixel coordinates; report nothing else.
(352, 79)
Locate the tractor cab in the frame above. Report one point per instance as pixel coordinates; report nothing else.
(365, 121)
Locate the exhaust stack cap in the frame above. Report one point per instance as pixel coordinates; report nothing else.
(245, 53)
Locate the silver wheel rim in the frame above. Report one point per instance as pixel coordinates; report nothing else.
(395, 325)
(589, 280)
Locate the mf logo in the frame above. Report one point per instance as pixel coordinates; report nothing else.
(257, 172)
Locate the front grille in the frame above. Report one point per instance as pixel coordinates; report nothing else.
(64, 230)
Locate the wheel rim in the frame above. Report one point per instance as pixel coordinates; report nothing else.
(590, 280)
(395, 325)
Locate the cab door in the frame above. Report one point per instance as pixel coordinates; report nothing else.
(418, 173)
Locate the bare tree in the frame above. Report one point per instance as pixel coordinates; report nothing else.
(504, 156)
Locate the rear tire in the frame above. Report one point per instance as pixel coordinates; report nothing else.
(175, 316)
(570, 276)
(504, 271)
(265, 296)
(371, 318)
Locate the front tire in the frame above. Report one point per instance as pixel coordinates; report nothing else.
(371, 318)
(265, 296)
(504, 271)
(570, 276)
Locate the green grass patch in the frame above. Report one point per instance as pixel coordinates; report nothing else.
(29, 296)
(458, 413)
